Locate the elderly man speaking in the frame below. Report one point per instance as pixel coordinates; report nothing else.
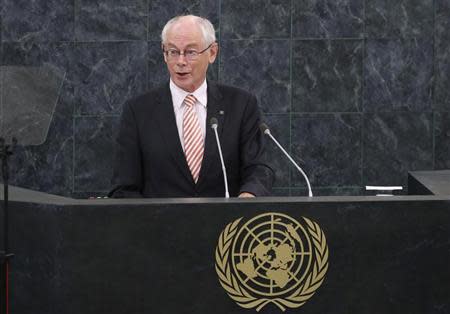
(165, 145)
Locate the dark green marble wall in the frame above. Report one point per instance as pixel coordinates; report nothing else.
(357, 90)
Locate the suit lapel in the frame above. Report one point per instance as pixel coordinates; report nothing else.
(169, 131)
(215, 109)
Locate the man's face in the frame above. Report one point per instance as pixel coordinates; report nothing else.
(188, 75)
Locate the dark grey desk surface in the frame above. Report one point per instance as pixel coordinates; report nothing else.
(437, 182)
(21, 195)
(422, 185)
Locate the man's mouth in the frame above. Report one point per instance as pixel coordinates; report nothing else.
(182, 74)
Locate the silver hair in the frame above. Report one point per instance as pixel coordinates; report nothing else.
(206, 27)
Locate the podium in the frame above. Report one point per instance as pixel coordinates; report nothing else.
(385, 255)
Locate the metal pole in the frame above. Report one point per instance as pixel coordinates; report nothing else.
(5, 152)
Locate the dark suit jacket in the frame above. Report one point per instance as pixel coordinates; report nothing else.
(150, 161)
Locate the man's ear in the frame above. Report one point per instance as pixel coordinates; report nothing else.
(162, 49)
(213, 51)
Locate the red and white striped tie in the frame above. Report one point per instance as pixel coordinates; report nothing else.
(193, 138)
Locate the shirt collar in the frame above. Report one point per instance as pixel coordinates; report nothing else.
(178, 94)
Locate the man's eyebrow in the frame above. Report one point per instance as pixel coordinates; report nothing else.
(188, 46)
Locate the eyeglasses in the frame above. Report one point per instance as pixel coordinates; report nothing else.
(173, 54)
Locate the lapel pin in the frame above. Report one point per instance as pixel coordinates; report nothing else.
(221, 112)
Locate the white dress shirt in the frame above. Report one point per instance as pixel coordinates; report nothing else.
(178, 96)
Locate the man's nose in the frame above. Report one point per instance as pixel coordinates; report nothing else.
(181, 59)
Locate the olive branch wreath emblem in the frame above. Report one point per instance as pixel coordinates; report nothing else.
(295, 299)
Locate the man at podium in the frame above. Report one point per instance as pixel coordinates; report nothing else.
(166, 146)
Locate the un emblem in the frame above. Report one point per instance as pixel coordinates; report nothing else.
(272, 258)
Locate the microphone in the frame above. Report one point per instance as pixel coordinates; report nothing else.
(214, 124)
(265, 129)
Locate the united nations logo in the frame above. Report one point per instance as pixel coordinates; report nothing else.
(271, 259)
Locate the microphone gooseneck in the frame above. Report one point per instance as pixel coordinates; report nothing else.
(265, 130)
(214, 123)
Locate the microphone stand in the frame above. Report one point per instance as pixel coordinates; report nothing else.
(265, 130)
(5, 152)
(214, 124)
